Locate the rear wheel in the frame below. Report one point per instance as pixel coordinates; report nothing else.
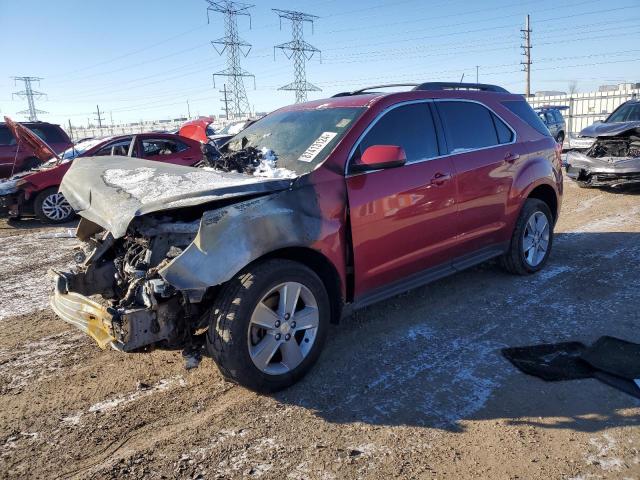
(268, 325)
(50, 206)
(532, 239)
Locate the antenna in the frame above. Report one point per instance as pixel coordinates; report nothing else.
(299, 50)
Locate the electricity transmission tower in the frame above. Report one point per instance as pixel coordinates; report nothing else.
(30, 94)
(299, 50)
(234, 47)
(526, 51)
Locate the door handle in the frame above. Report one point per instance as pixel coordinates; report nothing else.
(440, 178)
(511, 157)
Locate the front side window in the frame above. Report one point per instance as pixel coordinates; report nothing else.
(469, 126)
(408, 126)
(154, 147)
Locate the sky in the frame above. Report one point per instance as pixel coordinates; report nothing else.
(143, 60)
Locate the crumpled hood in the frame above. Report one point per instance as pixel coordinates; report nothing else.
(609, 129)
(112, 191)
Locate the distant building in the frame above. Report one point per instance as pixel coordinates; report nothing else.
(549, 93)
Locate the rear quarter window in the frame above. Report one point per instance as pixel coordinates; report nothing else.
(49, 133)
(524, 111)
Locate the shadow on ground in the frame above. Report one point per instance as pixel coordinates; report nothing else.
(431, 357)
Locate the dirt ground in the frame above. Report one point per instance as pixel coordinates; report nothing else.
(411, 388)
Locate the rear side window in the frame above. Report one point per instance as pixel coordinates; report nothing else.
(469, 126)
(153, 147)
(5, 136)
(119, 147)
(558, 115)
(410, 127)
(523, 110)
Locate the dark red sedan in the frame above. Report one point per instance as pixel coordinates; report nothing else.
(36, 192)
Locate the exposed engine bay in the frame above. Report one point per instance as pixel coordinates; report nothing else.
(611, 161)
(144, 309)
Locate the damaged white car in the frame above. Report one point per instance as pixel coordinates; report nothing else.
(613, 159)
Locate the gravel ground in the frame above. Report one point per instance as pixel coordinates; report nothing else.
(411, 388)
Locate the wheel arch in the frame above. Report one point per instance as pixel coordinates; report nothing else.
(321, 265)
(547, 194)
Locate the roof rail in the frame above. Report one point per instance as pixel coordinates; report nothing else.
(460, 86)
(364, 90)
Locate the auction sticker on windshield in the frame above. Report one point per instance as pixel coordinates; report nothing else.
(316, 147)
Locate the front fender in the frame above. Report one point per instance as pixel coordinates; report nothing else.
(231, 237)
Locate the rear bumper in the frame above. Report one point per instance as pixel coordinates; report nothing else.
(83, 313)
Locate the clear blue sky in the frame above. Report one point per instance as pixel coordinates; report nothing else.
(143, 60)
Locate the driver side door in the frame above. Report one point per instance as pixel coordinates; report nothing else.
(403, 219)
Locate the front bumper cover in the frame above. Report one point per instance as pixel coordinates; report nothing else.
(606, 171)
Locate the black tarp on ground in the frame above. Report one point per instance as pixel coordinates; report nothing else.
(611, 360)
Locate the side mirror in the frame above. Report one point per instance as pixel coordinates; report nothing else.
(380, 156)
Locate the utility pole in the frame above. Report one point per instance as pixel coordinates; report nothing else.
(234, 47)
(527, 53)
(30, 94)
(477, 73)
(98, 117)
(225, 100)
(188, 110)
(299, 50)
(70, 130)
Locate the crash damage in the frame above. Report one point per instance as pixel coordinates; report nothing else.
(158, 239)
(612, 161)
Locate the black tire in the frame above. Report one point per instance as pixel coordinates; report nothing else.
(227, 337)
(41, 212)
(30, 163)
(514, 260)
(560, 138)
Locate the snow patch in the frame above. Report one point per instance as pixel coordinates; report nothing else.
(119, 400)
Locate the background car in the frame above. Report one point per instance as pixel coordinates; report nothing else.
(15, 157)
(36, 192)
(553, 119)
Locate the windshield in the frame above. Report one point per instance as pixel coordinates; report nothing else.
(300, 139)
(78, 149)
(629, 112)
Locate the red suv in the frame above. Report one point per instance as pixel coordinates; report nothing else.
(341, 202)
(17, 157)
(36, 193)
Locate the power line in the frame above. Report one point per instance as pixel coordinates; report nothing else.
(234, 47)
(30, 94)
(299, 50)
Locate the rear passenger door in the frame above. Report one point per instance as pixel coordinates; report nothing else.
(167, 150)
(483, 150)
(403, 220)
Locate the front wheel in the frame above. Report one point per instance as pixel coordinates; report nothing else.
(268, 325)
(531, 240)
(50, 206)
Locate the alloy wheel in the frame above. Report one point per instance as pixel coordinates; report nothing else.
(55, 207)
(283, 328)
(536, 239)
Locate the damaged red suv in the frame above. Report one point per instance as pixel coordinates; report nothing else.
(315, 210)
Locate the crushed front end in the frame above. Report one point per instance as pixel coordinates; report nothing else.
(115, 292)
(612, 161)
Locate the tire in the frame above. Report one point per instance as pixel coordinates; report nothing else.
(51, 207)
(560, 138)
(234, 339)
(519, 259)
